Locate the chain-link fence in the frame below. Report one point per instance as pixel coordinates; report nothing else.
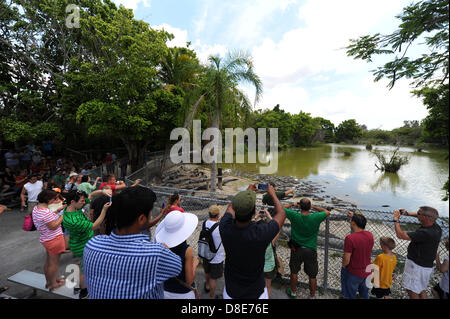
(330, 241)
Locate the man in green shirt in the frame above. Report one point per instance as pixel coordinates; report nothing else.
(86, 185)
(81, 230)
(304, 230)
(59, 178)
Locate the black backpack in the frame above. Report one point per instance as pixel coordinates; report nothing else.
(206, 248)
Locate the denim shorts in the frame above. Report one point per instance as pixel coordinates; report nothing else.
(350, 284)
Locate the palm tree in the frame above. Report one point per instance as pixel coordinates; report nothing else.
(223, 76)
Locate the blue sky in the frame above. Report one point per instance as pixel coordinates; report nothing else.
(297, 50)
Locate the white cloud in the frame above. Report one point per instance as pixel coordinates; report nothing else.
(238, 22)
(307, 69)
(205, 50)
(180, 36)
(370, 103)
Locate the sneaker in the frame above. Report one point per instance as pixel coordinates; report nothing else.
(290, 294)
(83, 294)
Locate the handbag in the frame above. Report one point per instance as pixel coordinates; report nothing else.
(28, 224)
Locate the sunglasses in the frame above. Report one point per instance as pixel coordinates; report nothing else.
(422, 214)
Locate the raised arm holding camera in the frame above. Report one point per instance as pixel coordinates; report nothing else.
(421, 251)
(245, 243)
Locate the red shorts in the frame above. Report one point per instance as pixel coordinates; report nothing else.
(55, 246)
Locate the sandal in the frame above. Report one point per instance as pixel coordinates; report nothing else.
(3, 289)
(290, 294)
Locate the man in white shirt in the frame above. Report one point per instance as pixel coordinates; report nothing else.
(32, 190)
(214, 268)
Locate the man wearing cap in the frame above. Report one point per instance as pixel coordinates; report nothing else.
(214, 268)
(31, 190)
(71, 185)
(245, 244)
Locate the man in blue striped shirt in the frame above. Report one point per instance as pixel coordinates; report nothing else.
(125, 264)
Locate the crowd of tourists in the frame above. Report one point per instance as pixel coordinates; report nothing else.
(107, 225)
(108, 230)
(21, 168)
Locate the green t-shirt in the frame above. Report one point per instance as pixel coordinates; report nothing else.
(80, 229)
(304, 229)
(59, 179)
(86, 187)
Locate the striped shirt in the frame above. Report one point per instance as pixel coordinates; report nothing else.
(41, 217)
(128, 267)
(80, 230)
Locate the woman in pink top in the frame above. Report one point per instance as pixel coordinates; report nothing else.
(51, 236)
(174, 203)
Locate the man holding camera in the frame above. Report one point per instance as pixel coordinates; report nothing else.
(421, 251)
(267, 199)
(304, 230)
(245, 244)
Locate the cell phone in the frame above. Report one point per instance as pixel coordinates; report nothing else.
(263, 187)
(261, 212)
(110, 199)
(163, 205)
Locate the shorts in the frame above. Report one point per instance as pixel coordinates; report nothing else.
(442, 294)
(271, 274)
(415, 277)
(215, 271)
(264, 295)
(31, 205)
(55, 246)
(380, 292)
(304, 255)
(351, 284)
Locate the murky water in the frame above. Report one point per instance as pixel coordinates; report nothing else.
(349, 173)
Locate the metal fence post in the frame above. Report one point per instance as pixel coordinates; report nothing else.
(325, 262)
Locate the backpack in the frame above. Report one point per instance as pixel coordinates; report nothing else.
(206, 248)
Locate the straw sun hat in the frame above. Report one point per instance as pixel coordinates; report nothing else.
(176, 228)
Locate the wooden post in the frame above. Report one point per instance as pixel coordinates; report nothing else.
(219, 176)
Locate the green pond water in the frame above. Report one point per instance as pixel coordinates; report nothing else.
(353, 176)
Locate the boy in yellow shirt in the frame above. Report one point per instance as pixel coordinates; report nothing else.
(386, 263)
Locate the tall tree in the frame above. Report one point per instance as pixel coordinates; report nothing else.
(222, 76)
(428, 19)
(435, 125)
(121, 93)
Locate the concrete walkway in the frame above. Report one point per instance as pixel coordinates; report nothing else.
(21, 250)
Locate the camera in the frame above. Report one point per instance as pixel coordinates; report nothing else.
(263, 187)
